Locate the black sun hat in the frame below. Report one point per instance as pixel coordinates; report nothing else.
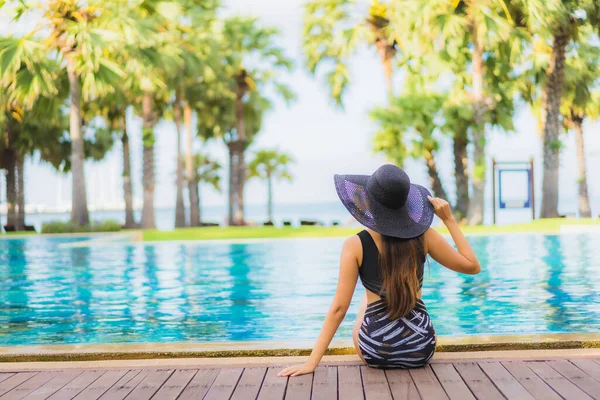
(386, 202)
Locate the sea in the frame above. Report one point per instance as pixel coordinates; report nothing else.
(324, 213)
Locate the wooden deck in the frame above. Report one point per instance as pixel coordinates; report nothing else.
(574, 378)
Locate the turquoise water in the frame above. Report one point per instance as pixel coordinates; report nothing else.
(276, 290)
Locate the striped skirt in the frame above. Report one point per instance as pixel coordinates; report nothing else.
(408, 342)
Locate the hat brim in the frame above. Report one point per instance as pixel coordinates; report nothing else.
(406, 222)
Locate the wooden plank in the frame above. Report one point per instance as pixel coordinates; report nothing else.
(30, 385)
(427, 383)
(14, 381)
(101, 385)
(199, 385)
(402, 385)
(477, 381)
(350, 383)
(325, 383)
(451, 381)
(577, 376)
(53, 385)
(249, 384)
(77, 385)
(125, 385)
(530, 381)
(299, 387)
(150, 384)
(5, 375)
(175, 384)
(556, 381)
(224, 384)
(589, 367)
(375, 384)
(273, 386)
(504, 381)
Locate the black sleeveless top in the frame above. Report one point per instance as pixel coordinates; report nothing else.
(369, 271)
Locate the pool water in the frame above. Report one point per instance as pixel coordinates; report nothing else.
(276, 290)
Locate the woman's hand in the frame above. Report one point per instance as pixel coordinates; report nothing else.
(297, 370)
(441, 208)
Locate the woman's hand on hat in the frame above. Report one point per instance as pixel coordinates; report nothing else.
(441, 208)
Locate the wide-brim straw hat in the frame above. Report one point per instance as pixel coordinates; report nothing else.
(387, 202)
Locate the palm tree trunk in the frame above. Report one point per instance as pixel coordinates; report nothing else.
(79, 209)
(551, 97)
(127, 185)
(148, 122)
(434, 177)
(197, 189)
(231, 185)
(584, 199)
(190, 172)
(21, 194)
(476, 203)
(179, 207)
(386, 53)
(270, 196)
(10, 164)
(241, 165)
(460, 174)
(389, 78)
(240, 185)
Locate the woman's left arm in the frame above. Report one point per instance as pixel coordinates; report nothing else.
(337, 311)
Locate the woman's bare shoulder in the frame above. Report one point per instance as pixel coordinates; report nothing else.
(352, 242)
(353, 247)
(430, 236)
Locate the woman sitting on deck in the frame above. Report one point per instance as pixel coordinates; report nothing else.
(393, 329)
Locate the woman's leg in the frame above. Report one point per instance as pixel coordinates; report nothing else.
(357, 325)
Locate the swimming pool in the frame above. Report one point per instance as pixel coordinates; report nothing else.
(276, 290)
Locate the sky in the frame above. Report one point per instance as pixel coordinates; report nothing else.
(322, 138)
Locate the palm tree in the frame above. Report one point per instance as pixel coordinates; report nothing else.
(246, 42)
(581, 101)
(480, 26)
(412, 118)
(189, 168)
(269, 165)
(216, 119)
(32, 121)
(458, 118)
(113, 109)
(332, 33)
(82, 36)
(207, 171)
(254, 109)
(154, 59)
(553, 24)
(211, 99)
(31, 94)
(195, 36)
(179, 206)
(213, 103)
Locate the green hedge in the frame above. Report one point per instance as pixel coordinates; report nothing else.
(68, 227)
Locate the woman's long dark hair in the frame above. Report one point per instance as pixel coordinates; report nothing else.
(400, 260)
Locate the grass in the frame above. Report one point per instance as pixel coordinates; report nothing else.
(21, 233)
(247, 232)
(551, 225)
(208, 233)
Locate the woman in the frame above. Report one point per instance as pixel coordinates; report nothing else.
(393, 329)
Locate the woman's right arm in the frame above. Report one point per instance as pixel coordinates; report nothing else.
(464, 260)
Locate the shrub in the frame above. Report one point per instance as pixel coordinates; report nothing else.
(106, 226)
(68, 227)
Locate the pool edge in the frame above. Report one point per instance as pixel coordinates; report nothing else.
(280, 349)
